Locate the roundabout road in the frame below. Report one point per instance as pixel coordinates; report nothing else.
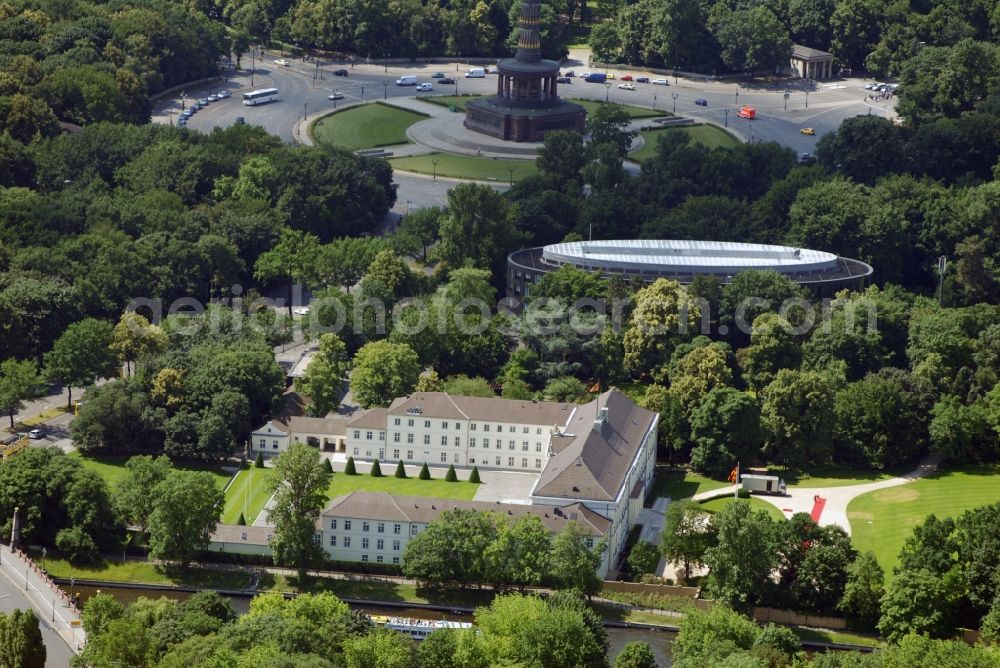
(304, 88)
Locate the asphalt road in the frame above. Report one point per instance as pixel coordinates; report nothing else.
(12, 598)
(304, 88)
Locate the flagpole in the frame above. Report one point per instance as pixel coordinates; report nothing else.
(736, 493)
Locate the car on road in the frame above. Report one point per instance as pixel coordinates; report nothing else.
(626, 86)
(492, 70)
(425, 87)
(204, 102)
(701, 102)
(807, 131)
(335, 96)
(437, 75)
(584, 75)
(447, 81)
(642, 79)
(341, 73)
(806, 158)
(240, 121)
(610, 75)
(182, 122)
(627, 77)
(571, 73)
(660, 82)
(36, 433)
(281, 61)
(302, 310)
(187, 113)
(223, 94)
(563, 80)
(213, 98)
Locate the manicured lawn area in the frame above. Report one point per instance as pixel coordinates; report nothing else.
(709, 135)
(715, 505)
(344, 484)
(590, 105)
(142, 571)
(112, 469)
(466, 166)
(247, 495)
(834, 477)
(365, 126)
(882, 520)
(682, 484)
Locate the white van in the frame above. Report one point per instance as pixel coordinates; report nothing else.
(475, 73)
(407, 80)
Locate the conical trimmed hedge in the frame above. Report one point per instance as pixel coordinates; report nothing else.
(425, 473)
(376, 470)
(259, 462)
(400, 470)
(242, 521)
(451, 476)
(327, 466)
(349, 467)
(474, 476)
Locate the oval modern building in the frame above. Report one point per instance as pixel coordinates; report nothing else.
(650, 259)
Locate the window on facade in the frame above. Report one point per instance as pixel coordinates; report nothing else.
(364, 558)
(395, 546)
(538, 430)
(347, 541)
(511, 429)
(380, 544)
(472, 460)
(538, 463)
(409, 422)
(318, 538)
(472, 442)
(380, 527)
(365, 527)
(356, 452)
(413, 529)
(456, 458)
(472, 426)
(524, 462)
(381, 453)
(458, 442)
(409, 438)
(590, 543)
(486, 443)
(395, 560)
(395, 437)
(368, 453)
(395, 454)
(357, 433)
(381, 436)
(274, 446)
(498, 461)
(444, 440)
(333, 525)
(486, 427)
(427, 439)
(510, 445)
(538, 447)
(427, 424)
(510, 462)
(364, 543)
(263, 443)
(524, 430)
(396, 528)
(395, 421)
(444, 456)
(409, 454)
(347, 525)
(524, 445)
(444, 425)
(368, 436)
(378, 558)
(333, 541)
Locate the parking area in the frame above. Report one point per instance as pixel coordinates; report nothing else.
(505, 487)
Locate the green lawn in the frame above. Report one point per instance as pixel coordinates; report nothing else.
(344, 484)
(715, 505)
(145, 572)
(365, 126)
(682, 484)
(112, 469)
(882, 520)
(248, 494)
(590, 105)
(456, 166)
(709, 135)
(834, 477)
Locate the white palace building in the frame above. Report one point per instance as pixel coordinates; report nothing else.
(593, 464)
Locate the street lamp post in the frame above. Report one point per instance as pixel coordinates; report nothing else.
(674, 95)
(362, 93)
(727, 117)
(807, 99)
(253, 53)
(654, 102)
(786, 100)
(607, 92)
(434, 161)
(737, 95)
(45, 553)
(408, 207)
(305, 110)
(385, 90)
(511, 170)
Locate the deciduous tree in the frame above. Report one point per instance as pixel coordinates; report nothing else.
(300, 481)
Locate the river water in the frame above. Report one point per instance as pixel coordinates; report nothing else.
(617, 637)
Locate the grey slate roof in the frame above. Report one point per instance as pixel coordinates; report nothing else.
(237, 533)
(487, 409)
(591, 460)
(808, 53)
(392, 508)
(328, 426)
(370, 419)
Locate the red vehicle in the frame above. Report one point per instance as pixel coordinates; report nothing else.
(627, 77)
(746, 111)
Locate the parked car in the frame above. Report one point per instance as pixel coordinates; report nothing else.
(492, 70)
(223, 94)
(627, 77)
(584, 75)
(610, 75)
(595, 77)
(571, 73)
(240, 121)
(660, 82)
(341, 73)
(182, 122)
(807, 131)
(806, 158)
(36, 433)
(563, 80)
(437, 75)
(406, 80)
(642, 79)
(204, 102)
(335, 96)
(626, 86)
(282, 62)
(187, 113)
(425, 87)
(701, 102)
(213, 98)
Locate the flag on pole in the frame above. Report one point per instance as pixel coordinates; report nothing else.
(734, 475)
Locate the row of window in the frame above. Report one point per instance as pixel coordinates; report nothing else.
(397, 528)
(511, 429)
(365, 543)
(511, 445)
(485, 461)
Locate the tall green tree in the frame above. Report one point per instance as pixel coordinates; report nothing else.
(133, 501)
(18, 381)
(478, 228)
(81, 355)
(187, 508)
(864, 590)
(383, 371)
(135, 338)
(300, 482)
(743, 557)
(573, 563)
(636, 654)
(324, 377)
(293, 258)
(798, 418)
(687, 534)
(21, 643)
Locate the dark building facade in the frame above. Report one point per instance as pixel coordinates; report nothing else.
(527, 103)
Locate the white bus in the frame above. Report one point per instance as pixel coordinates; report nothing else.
(261, 96)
